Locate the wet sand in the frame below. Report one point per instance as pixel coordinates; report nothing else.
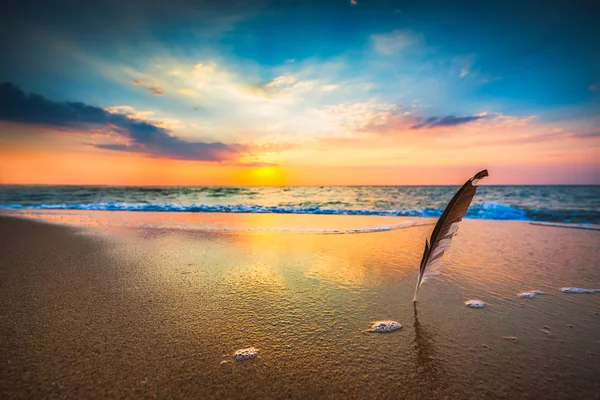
(113, 312)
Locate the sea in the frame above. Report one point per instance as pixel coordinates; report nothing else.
(546, 204)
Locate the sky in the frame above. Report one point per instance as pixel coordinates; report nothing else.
(340, 92)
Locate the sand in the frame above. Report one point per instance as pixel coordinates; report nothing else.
(113, 312)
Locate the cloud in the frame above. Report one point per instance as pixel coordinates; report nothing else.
(156, 91)
(285, 85)
(449, 120)
(236, 102)
(130, 111)
(153, 90)
(362, 116)
(397, 40)
(404, 121)
(141, 136)
(284, 80)
(535, 137)
(585, 135)
(187, 92)
(171, 147)
(353, 2)
(595, 87)
(465, 67)
(259, 164)
(384, 118)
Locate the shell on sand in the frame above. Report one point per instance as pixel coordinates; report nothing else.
(385, 326)
(475, 303)
(245, 354)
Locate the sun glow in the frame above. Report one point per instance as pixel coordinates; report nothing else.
(262, 176)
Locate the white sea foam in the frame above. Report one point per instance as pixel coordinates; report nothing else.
(530, 295)
(578, 290)
(385, 326)
(485, 210)
(526, 295)
(475, 303)
(592, 227)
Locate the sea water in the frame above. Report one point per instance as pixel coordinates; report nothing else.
(547, 204)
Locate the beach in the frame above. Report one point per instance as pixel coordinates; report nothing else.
(109, 310)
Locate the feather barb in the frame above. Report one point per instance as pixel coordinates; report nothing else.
(446, 227)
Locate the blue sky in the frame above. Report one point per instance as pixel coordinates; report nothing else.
(273, 73)
(523, 55)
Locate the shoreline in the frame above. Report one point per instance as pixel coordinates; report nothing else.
(69, 217)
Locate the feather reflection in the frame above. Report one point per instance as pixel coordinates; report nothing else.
(430, 373)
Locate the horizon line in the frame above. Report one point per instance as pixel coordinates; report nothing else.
(284, 186)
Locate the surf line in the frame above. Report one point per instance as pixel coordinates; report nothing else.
(565, 225)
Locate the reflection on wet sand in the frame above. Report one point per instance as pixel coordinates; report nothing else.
(429, 370)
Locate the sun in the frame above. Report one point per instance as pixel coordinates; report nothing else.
(262, 176)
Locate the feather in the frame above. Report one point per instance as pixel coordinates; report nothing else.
(446, 228)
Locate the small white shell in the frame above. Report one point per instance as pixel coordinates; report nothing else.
(475, 303)
(385, 326)
(245, 354)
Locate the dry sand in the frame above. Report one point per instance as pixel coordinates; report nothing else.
(133, 313)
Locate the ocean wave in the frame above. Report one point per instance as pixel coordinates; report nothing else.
(486, 210)
(494, 210)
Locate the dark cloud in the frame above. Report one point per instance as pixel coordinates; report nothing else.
(449, 120)
(144, 137)
(178, 149)
(396, 121)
